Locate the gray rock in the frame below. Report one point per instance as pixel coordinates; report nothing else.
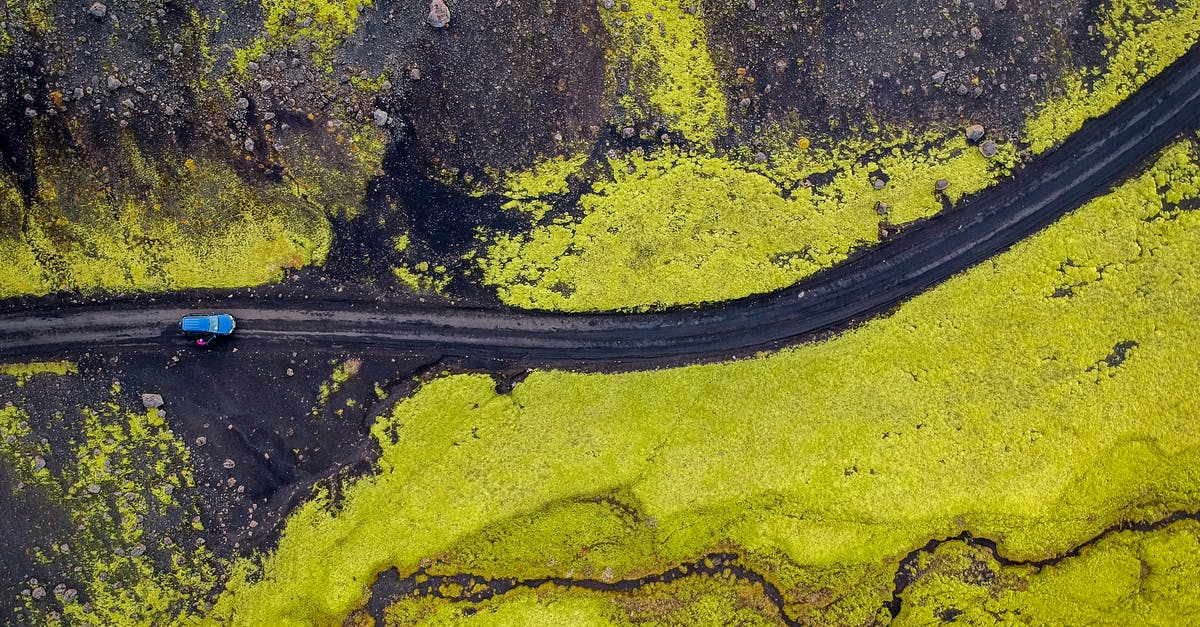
(248, 145)
(976, 34)
(30, 113)
(114, 83)
(39, 463)
(939, 77)
(744, 103)
(380, 116)
(760, 157)
(879, 183)
(127, 103)
(415, 74)
(881, 208)
(628, 132)
(69, 595)
(229, 464)
(150, 401)
(39, 593)
(1033, 78)
(94, 488)
(77, 93)
(988, 149)
(176, 48)
(975, 132)
(941, 185)
(608, 4)
(265, 85)
(1000, 4)
(242, 104)
(439, 14)
(201, 441)
(138, 550)
(98, 9)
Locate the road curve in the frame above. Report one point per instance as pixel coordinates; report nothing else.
(1086, 165)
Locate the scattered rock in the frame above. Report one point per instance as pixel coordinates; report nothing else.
(975, 132)
(941, 185)
(138, 551)
(265, 85)
(879, 183)
(151, 401)
(1000, 4)
(760, 157)
(94, 488)
(988, 149)
(114, 83)
(69, 595)
(30, 113)
(380, 116)
(98, 9)
(415, 74)
(628, 132)
(201, 441)
(242, 104)
(608, 4)
(439, 14)
(976, 34)
(38, 463)
(176, 48)
(744, 103)
(39, 593)
(1033, 78)
(939, 77)
(77, 93)
(248, 145)
(291, 372)
(229, 464)
(881, 208)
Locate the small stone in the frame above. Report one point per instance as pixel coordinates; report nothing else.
(94, 488)
(242, 104)
(988, 149)
(380, 116)
(291, 372)
(60, 589)
(760, 157)
(38, 463)
(114, 83)
(879, 183)
(248, 145)
(939, 77)
(138, 551)
(751, 4)
(176, 48)
(30, 113)
(252, 66)
(69, 595)
(628, 132)
(927, 33)
(229, 464)
(201, 441)
(386, 85)
(975, 132)
(557, 137)
(98, 9)
(77, 93)
(150, 401)
(415, 74)
(608, 4)
(976, 34)
(881, 208)
(127, 103)
(1033, 78)
(39, 593)
(744, 103)
(439, 14)
(265, 85)
(941, 184)
(1000, 4)
(169, 110)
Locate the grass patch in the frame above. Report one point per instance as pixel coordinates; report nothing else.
(991, 404)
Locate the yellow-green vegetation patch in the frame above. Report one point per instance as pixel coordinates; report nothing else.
(322, 22)
(332, 172)
(125, 483)
(699, 600)
(1130, 578)
(678, 227)
(660, 66)
(1142, 38)
(342, 372)
(1035, 400)
(159, 225)
(23, 373)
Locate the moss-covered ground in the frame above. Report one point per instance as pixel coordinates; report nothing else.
(1036, 401)
(128, 553)
(682, 226)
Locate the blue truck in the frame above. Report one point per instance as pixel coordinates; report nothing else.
(205, 328)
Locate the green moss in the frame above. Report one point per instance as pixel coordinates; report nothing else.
(24, 372)
(322, 22)
(988, 404)
(332, 172)
(660, 66)
(685, 228)
(716, 601)
(1142, 38)
(126, 488)
(1141, 578)
(138, 225)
